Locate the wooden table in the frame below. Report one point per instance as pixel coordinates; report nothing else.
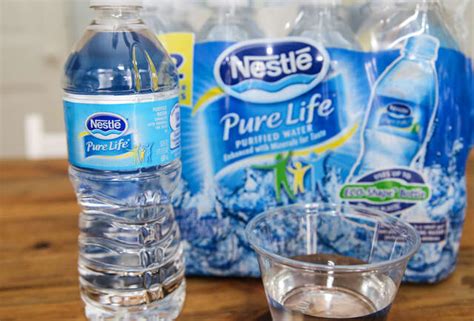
(38, 254)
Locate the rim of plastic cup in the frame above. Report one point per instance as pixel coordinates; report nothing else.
(358, 268)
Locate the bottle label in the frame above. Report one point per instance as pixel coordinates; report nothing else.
(113, 134)
(279, 121)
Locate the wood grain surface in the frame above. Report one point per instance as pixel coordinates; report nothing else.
(38, 254)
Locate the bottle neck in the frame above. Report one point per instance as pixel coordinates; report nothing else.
(320, 10)
(426, 6)
(229, 14)
(419, 6)
(230, 10)
(107, 15)
(428, 13)
(320, 16)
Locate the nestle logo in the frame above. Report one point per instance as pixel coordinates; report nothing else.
(264, 71)
(398, 110)
(106, 125)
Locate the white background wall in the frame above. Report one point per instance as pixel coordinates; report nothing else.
(35, 39)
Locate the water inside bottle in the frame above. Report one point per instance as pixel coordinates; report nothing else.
(124, 168)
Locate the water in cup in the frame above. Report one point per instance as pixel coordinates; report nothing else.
(326, 300)
(310, 273)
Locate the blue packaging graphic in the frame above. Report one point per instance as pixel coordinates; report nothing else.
(402, 108)
(281, 121)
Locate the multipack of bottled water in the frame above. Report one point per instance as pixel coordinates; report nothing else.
(368, 104)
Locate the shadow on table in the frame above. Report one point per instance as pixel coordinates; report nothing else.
(264, 317)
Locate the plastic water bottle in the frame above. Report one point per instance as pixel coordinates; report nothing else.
(165, 16)
(418, 28)
(123, 124)
(321, 21)
(402, 109)
(152, 17)
(391, 22)
(231, 20)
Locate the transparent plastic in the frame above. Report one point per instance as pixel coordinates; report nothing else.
(152, 18)
(324, 23)
(389, 24)
(309, 274)
(165, 16)
(130, 262)
(230, 22)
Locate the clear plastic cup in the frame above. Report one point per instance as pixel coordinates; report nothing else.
(326, 262)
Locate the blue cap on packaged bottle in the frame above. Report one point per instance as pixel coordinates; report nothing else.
(422, 46)
(116, 3)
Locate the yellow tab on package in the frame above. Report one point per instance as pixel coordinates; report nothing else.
(181, 48)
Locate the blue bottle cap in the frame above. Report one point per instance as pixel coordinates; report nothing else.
(424, 46)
